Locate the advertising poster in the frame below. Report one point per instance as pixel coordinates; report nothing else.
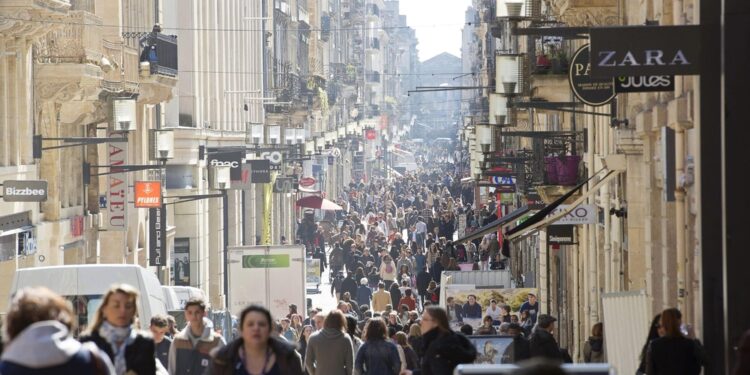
(459, 297)
(181, 267)
(493, 350)
(313, 271)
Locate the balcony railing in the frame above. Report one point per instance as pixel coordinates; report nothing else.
(79, 42)
(160, 51)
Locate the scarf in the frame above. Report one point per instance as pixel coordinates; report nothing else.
(113, 335)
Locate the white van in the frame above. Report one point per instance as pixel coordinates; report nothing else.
(84, 286)
(185, 293)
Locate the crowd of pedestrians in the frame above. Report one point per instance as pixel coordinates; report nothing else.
(386, 253)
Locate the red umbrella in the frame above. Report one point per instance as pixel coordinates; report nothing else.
(318, 202)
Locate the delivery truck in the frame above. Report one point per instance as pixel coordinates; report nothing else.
(272, 276)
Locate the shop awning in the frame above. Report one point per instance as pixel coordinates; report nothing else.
(540, 219)
(495, 225)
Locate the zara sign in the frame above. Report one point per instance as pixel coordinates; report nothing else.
(645, 50)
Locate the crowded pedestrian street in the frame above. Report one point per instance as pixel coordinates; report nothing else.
(373, 187)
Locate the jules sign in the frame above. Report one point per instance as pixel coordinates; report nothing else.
(590, 90)
(644, 83)
(645, 50)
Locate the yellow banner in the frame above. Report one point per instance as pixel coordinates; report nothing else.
(267, 208)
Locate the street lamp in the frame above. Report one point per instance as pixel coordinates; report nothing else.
(290, 136)
(123, 114)
(274, 134)
(484, 136)
(256, 133)
(320, 143)
(220, 179)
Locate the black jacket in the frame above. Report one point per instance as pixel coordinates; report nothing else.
(349, 285)
(423, 281)
(521, 349)
(443, 351)
(543, 344)
(139, 355)
(674, 355)
(224, 359)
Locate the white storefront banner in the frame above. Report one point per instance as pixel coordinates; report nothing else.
(583, 214)
(117, 187)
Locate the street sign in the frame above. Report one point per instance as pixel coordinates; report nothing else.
(147, 194)
(24, 191)
(590, 90)
(226, 157)
(560, 235)
(582, 214)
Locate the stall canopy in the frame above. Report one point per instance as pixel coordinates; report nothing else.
(495, 225)
(540, 220)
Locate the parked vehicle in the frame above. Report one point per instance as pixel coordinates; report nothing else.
(84, 286)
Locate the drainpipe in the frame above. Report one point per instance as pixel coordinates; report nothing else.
(592, 265)
(679, 194)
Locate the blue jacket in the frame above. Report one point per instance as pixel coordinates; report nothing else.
(364, 295)
(378, 357)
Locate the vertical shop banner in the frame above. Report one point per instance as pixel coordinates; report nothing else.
(267, 207)
(117, 187)
(157, 230)
(181, 267)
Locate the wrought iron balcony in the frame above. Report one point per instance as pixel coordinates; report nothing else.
(160, 51)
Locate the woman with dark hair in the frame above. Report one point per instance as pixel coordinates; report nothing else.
(674, 353)
(305, 334)
(115, 331)
(353, 330)
(395, 295)
(653, 334)
(593, 349)
(256, 351)
(443, 348)
(377, 355)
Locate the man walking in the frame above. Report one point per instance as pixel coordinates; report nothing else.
(542, 343)
(190, 349)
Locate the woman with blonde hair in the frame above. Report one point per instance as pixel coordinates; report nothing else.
(415, 339)
(115, 331)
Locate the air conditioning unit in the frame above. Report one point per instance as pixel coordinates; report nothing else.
(123, 115)
(161, 144)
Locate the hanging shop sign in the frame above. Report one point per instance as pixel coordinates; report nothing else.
(227, 158)
(307, 181)
(645, 50)
(157, 230)
(534, 201)
(274, 157)
(260, 171)
(370, 134)
(147, 194)
(24, 191)
(582, 214)
(560, 235)
(590, 90)
(117, 187)
(625, 84)
(284, 185)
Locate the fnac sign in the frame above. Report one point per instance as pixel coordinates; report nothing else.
(147, 194)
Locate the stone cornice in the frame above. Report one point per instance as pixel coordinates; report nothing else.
(585, 12)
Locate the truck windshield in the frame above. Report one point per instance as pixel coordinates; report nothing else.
(84, 306)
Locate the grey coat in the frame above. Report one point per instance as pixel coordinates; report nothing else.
(329, 352)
